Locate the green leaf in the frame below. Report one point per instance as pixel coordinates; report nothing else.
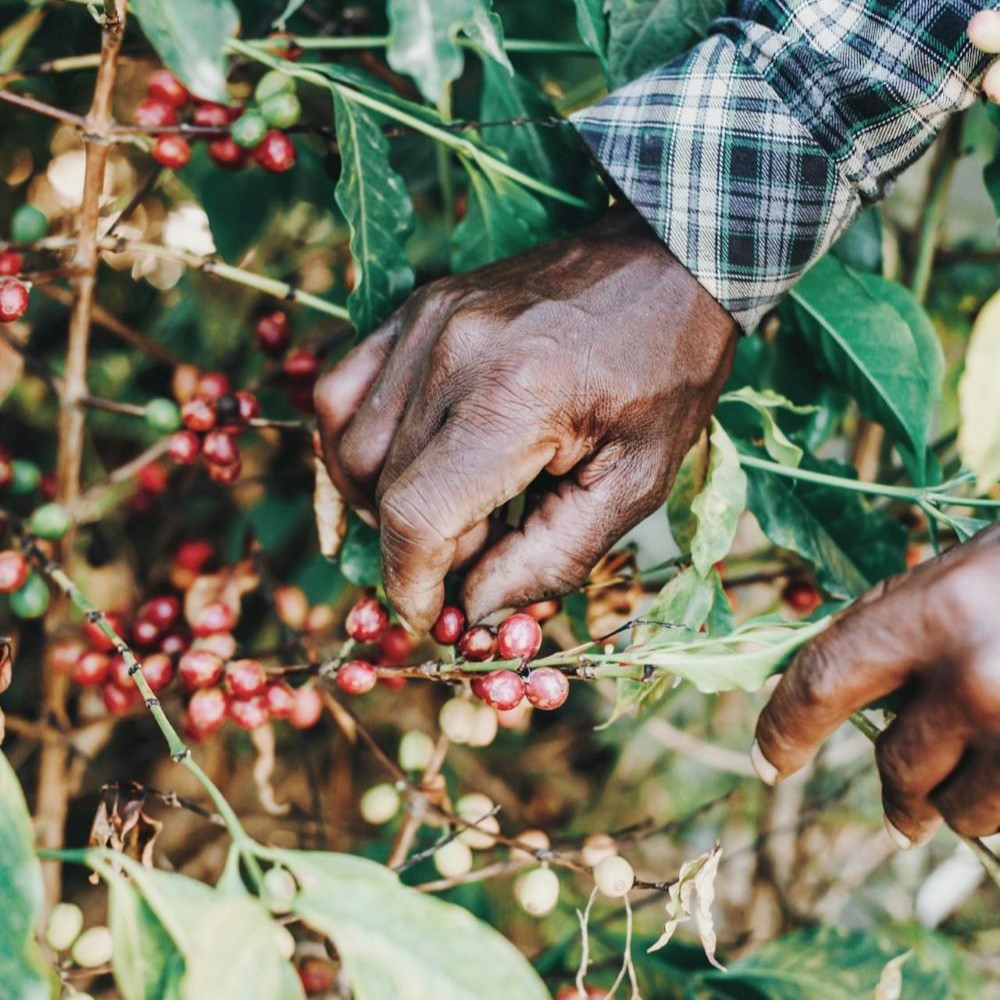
(861, 246)
(377, 207)
(991, 175)
(593, 27)
(22, 969)
(644, 34)
(397, 942)
(979, 435)
(764, 401)
(854, 324)
(688, 483)
(290, 8)
(423, 40)
(360, 555)
(719, 505)
(190, 37)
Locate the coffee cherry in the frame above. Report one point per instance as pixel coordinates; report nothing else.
(227, 154)
(96, 636)
(546, 688)
(200, 668)
(320, 620)
(220, 448)
(28, 223)
(477, 808)
(152, 112)
(308, 708)
(91, 669)
(542, 611)
(14, 571)
(249, 129)
(589, 993)
(214, 617)
(395, 646)
(153, 479)
(379, 804)
(531, 843)
(247, 406)
(292, 605)
(25, 477)
(92, 948)
(174, 643)
(356, 677)
(249, 713)
(300, 397)
(614, 876)
(484, 731)
(192, 555)
(158, 669)
(596, 848)
(13, 300)
(453, 860)
(301, 364)
(206, 710)
(415, 750)
(537, 891)
(280, 889)
(519, 637)
(63, 654)
(163, 415)
(316, 975)
(280, 700)
(273, 333)
(145, 633)
(11, 263)
(172, 151)
(272, 83)
(457, 719)
(276, 152)
(184, 447)
(802, 596)
(449, 626)
(118, 699)
(367, 620)
(163, 610)
(281, 110)
(164, 86)
(198, 415)
(215, 115)
(225, 474)
(478, 644)
(31, 599)
(213, 386)
(245, 678)
(6, 471)
(63, 926)
(502, 689)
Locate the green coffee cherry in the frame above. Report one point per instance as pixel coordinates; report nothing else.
(283, 941)
(282, 110)
(279, 889)
(28, 224)
(249, 129)
(32, 599)
(51, 520)
(93, 948)
(379, 804)
(163, 415)
(273, 83)
(64, 925)
(415, 750)
(25, 477)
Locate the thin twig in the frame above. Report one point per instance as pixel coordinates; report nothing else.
(41, 108)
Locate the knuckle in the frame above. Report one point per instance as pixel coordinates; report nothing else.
(894, 767)
(404, 515)
(354, 457)
(815, 680)
(331, 405)
(978, 689)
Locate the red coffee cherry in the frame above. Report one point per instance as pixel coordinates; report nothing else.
(449, 626)
(206, 711)
(478, 643)
(14, 571)
(152, 112)
(280, 700)
(158, 669)
(174, 643)
(198, 414)
(590, 993)
(301, 364)
(63, 654)
(245, 678)
(11, 263)
(542, 611)
(276, 152)
(193, 554)
(308, 708)
(91, 669)
(164, 610)
(145, 632)
(227, 153)
(13, 300)
(184, 447)
(118, 700)
(547, 688)
(118, 673)
(802, 596)
(208, 114)
(367, 620)
(164, 86)
(97, 638)
(200, 668)
(395, 646)
(248, 406)
(221, 643)
(153, 478)
(356, 677)
(502, 689)
(172, 151)
(215, 617)
(220, 448)
(249, 713)
(273, 333)
(519, 637)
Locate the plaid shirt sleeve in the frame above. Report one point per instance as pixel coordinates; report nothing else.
(751, 153)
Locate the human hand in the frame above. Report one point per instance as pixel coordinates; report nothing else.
(933, 635)
(984, 32)
(596, 359)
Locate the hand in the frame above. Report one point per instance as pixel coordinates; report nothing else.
(933, 635)
(595, 359)
(984, 32)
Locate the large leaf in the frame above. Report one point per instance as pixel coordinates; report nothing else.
(396, 942)
(21, 897)
(190, 37)
(593, 27)
(764, 402)
(871, 337)
(719, 505)
(644, 34)
(423, 40)
(377, 207)
(979, 436)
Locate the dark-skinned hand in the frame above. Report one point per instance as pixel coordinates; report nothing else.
(933, 636)
(595, 360)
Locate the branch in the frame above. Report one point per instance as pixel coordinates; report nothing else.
(41, 108)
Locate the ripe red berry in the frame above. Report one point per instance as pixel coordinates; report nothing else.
(118, 700)
(367, 620)
(221, 643)
(96, 637)
(225, 474)
(11, 263)
(198, 414)
(163, 609)
(164, 86)
(153, 478)
(91, 669)
(174, 643)
(14, 571)
(519, 637)
(301, 364)
(13, 300)
(245, 678)
(356, 677)
(450, 625)
(172, 151)
(273, 333)
(478, 643)
(145, 632)
(118, 673)
(542, 611)
(227, 153)
(193, 554)
(158, 669)
(220, 448)
(395, 646)
(153, 112)
(184, 447)
(280, 700)
(200, 668)
(316, 975)
(206, 711)
(276, 152)
(308, 708)
(248, 406)
(217, 115)
(392, 682)
(249, 713)
(802, 596)
(213, 385)
(590, 993)
(502, 689)
(63, 654)
(215, 617)
(547, 688)
(6, 469)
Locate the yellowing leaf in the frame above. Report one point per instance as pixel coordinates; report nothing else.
(720, 503)
(330, 511)
(979, 437)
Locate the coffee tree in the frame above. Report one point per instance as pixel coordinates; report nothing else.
(286, 792)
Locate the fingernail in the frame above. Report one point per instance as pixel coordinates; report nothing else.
(367, 517)
(409, 628)
(766, 771)
(897, 836)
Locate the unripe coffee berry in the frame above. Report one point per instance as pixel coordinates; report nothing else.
(477, 644)
(249, 713)
(14, 571)
(163, 415)
(172, 151)
(223, 644)
(206, 710)
(415, 750)
(280, 889)
(614, 876)
(92, 948)
(356, 677)
(63, 926)
(272, 83)
(245, 678)
(449, 626)
(367, 620)
(597, 847)
(546, 688)
(308, 707)
(28, 223)
(537, 891)
(281, 110)
(453, 860)
(13, 300)
(457, 719)
(200, 668)
(31, 599)
(519, 637)
(276, 152)
(273, 333)
(25, 477)
(249, 129)
(484, 732)
(379, 804)
(292, 605)
(164, 86)
(503, 689)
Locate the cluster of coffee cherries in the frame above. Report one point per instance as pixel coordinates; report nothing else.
(254, 132)
(89, 948)
(14, 294)
(299, 365)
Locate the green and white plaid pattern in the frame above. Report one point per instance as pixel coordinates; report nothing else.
(750, 154)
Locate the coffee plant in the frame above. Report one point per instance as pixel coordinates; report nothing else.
(227, 770)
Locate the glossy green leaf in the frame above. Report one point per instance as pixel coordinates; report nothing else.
(397, 942)
(190, 37)
(592, 24)
(360, 555)
(377, 207)
(22, 969)
(764, 402)
(719, 505)
(644, 34)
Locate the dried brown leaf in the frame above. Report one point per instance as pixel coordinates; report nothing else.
(263, 770)
(330, 511)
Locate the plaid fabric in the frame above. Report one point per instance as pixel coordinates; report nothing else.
(750, 154)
